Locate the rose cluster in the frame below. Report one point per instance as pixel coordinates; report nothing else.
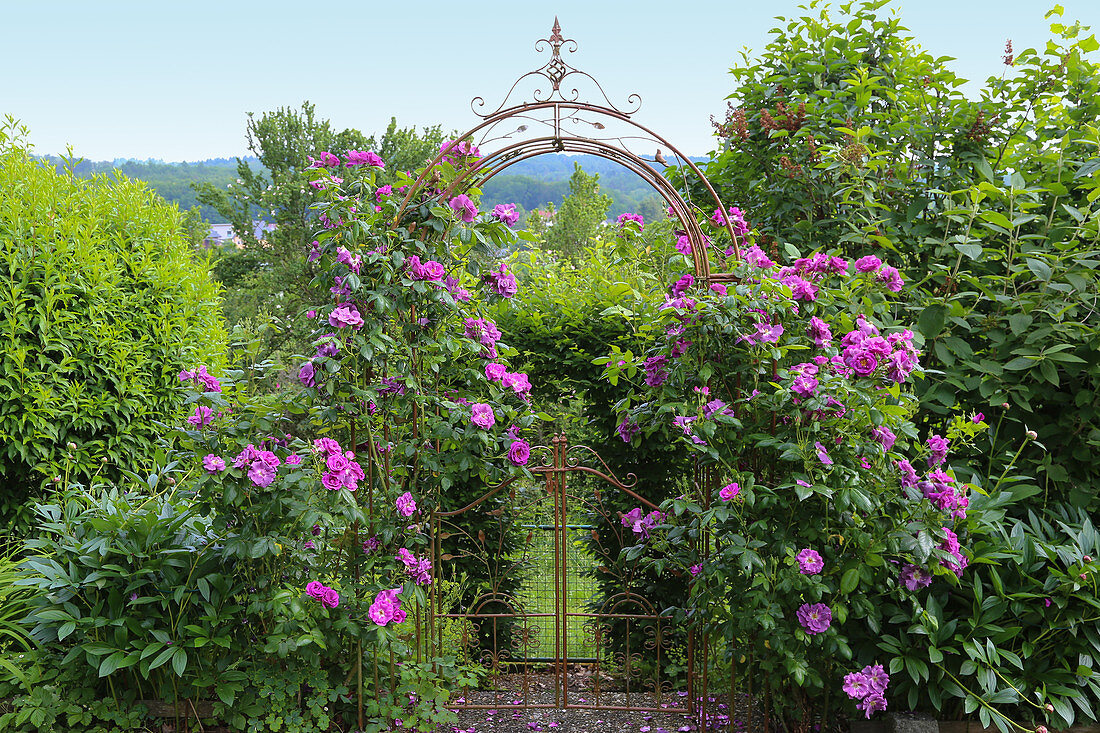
(419, 569)
(868, 686)
(517, 381)
(202, 379)
(387, 608)
(328, 597)
(342, 472)
(639, 524)
(502, 282)
(485, 332)
(262, 465)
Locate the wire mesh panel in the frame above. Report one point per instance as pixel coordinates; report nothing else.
(538, 591)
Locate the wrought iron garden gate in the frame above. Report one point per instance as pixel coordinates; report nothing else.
(607, 653)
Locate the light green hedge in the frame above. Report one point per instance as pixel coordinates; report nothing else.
(102, 302)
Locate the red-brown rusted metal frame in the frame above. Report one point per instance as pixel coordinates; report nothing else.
(559, 465)
(556, 465)
(524, 149)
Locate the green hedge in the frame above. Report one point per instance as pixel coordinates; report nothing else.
(102, 303)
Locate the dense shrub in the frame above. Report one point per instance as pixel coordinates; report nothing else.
(102, 302)
(843, 134)
(1018, 637)
(823, 511)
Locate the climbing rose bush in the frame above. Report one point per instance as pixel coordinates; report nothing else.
(407, 393)
(820, 494)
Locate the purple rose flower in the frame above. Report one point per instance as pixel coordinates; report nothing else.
(892, 278)
(502, 283)
(809, 562)
(306, 375)
(261, 474)
(884, 436)
(364, 157)
(870, 263)
(345, 316)
(856, 685)
(804, 385)
(506, 213)
(464, 207)
(862, 361)
(213, 463)
(625, 219)
(873, 703)
(406, 505)
(495, 371)
(814, 617)
(908, 473)
(518, 382)
(819, 332)
(330, 599)
(519, 453)
(822, 455)
(315, 589)
(203, 416)
(627, 430)
(482, 415)
(876, 677)
(938, 445)
(729, 491)
(683, 284)
(656, 375)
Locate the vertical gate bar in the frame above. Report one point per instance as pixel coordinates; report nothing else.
(563, 569)
(704, 708)
(657, 649)
(552, 488)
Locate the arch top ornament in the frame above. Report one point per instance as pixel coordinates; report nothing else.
(555, 72)
(558, 117)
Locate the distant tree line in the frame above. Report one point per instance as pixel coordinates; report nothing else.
(530, 185)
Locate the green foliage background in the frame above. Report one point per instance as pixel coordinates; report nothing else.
(843, 134)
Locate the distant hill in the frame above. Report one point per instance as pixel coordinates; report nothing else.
(534, 182)
(530, 184)
(171, 180)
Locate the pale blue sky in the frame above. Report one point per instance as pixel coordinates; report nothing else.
(174, 80)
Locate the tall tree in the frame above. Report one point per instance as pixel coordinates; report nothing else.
(580, 216)
(268, 276)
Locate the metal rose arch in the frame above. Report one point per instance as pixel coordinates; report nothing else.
(559, 117)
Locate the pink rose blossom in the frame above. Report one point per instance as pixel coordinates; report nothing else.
(519, 452)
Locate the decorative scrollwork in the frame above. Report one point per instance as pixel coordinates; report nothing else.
(556, 71)
(575, 459)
